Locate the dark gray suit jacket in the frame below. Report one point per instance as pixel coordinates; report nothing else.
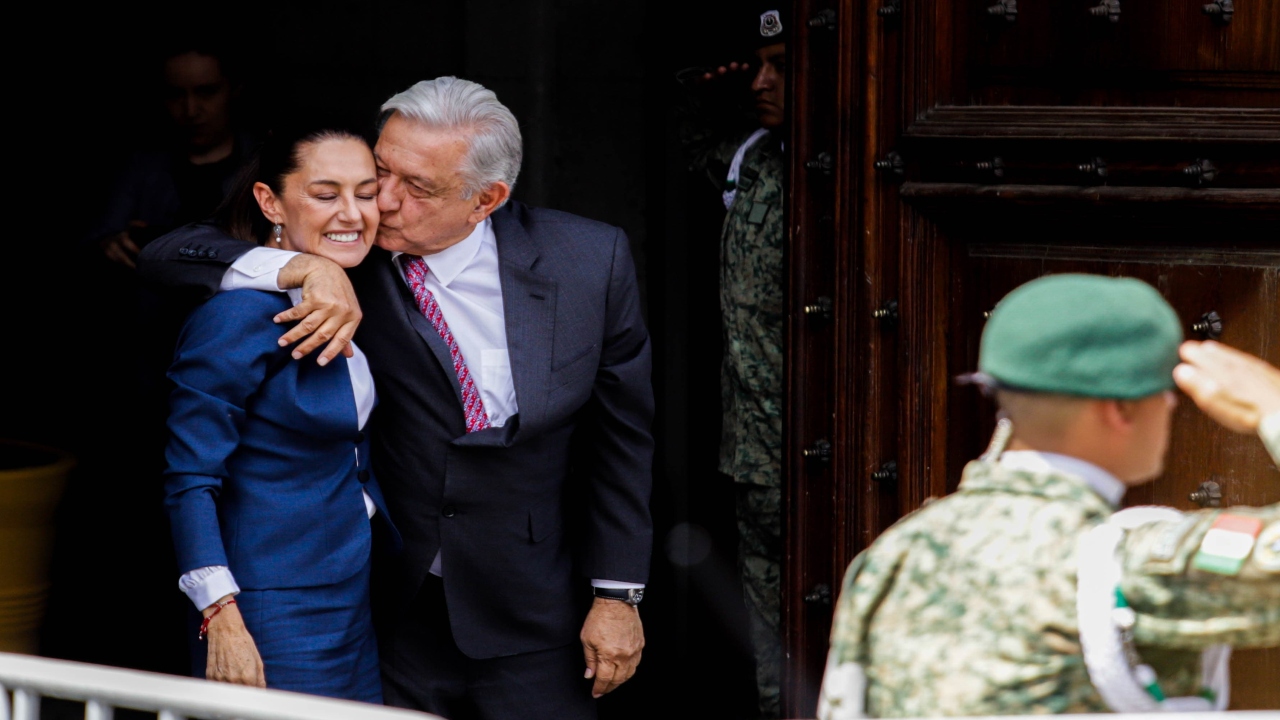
(564, 484)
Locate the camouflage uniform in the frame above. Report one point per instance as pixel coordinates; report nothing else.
(982, 591)
(752, 302)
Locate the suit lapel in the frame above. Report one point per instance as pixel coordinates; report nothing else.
(529, 306)
(392, 285)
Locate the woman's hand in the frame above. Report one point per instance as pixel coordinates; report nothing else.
(233, 657)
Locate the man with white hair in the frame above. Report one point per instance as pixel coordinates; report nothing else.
(512, 436)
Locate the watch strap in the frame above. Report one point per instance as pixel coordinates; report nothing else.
(630, 596)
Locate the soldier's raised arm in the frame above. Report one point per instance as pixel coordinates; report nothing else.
(1213, 576)
(1208, 577)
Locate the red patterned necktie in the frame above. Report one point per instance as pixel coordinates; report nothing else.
(415, 270)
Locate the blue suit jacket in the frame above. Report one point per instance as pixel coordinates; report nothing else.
(265, 459)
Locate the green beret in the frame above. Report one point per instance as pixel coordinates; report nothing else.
(1084, 335)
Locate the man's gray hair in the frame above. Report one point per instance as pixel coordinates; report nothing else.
(494, 147)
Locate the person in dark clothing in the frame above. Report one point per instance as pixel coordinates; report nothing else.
(185, 178)
(742, 155)
(172, 177)
(181, 180)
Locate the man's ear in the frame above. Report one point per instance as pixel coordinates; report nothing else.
(268, 202)
(488, 200)
(1118, 415)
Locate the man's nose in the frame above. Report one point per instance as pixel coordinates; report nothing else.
(191, 106)
(388, 195)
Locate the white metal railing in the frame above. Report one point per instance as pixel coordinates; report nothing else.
(103, 689)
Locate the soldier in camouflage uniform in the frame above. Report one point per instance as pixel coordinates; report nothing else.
(746, 164)
(1026, 591)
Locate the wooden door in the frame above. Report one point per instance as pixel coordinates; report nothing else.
(947, 151)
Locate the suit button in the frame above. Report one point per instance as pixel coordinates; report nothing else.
(359, 437)
(184, 251)
(202, 254)
(363, 476)
(213, 254)
(448, 511)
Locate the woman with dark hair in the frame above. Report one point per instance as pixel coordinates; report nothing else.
(268, 487)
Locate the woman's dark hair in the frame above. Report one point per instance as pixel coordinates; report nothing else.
(278, 155)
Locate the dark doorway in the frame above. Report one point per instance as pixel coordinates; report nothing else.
(591, 83)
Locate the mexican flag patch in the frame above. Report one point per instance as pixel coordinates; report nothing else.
(1227, 544)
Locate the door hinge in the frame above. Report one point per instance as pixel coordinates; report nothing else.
(1220, 10)
(887, 474)
(821, 308)
(887, 314)
(1209, 325)
(892, 163)
(1007, 9)
(819, 595)
(820, 451)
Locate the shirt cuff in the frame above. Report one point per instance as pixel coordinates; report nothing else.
(1269, 431)
(615, 585)
(257, 269)
(207, 585)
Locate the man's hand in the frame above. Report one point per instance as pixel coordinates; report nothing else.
(120, 248)
(1232, 387)
(233, 657)
(329, 311)
(722, 71)
(612, 638)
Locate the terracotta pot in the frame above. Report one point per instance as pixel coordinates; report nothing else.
(32, 478)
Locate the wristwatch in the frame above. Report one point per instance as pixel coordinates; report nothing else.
(630, 596)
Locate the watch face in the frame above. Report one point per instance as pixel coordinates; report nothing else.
(636, 597)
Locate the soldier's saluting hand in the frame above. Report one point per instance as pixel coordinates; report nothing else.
(1234, 388)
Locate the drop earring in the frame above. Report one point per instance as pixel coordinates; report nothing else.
(276, 232)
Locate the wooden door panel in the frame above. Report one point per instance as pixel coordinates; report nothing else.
(1167, 53)
(1161, 37)
(921, 102)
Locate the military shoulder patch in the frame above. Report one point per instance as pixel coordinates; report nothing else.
(1267, 554)
(1227, 544)
(1171, 539)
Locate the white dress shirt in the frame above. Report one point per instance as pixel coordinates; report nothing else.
(1100, 481)
(466, 283)
(206, 585)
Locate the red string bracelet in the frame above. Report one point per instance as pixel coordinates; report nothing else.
(204, 626)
